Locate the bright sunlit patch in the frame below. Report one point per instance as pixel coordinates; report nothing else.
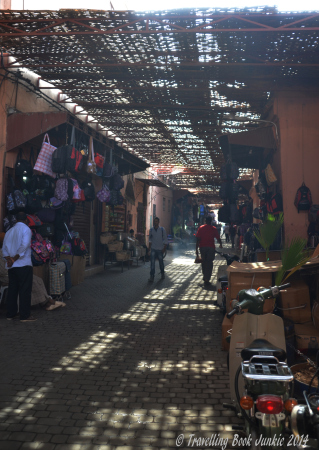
(184, 261)
(141, 312)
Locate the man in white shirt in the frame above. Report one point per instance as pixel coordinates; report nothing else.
(16, 250)
(157, 246)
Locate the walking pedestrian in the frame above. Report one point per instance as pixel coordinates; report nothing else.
(226, 232)
(232, 232)
(206, 236)
(16, 251)
(157, 247)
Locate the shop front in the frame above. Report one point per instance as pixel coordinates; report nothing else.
(72, 206)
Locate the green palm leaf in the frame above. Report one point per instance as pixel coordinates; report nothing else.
(268, 230)
(293, 258)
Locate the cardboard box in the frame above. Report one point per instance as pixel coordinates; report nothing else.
(239, 281)
(226, 327)
(273, 255)
(307, 336)
(294, 302)
(77, 268)
(269, 305)
(315, 315)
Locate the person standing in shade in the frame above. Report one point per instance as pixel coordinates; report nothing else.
(206, 236)
(226, 232)
(157, 247)
(232, 232)
(16, 250)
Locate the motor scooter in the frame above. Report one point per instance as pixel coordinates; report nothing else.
(260, 380)
(305, 417)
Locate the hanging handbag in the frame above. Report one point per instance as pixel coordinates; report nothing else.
(104, 194)
(99, 161)
(108, 170)
(33, 221)
(76, 190)
(55, 203)
(74, 161)
(117, 182)
(91, 166)
(44, 160)
(66, 248)
(270, 175)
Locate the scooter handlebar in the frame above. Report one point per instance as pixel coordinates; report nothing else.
(284, 286)
(232, 312)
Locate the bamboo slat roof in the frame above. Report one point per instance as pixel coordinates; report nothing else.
(163, 81)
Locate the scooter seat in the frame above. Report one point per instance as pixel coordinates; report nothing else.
(263, 348)
(223, 278)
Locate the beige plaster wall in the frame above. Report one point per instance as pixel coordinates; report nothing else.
(298, 115)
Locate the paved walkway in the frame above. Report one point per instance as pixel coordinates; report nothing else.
(125, 365)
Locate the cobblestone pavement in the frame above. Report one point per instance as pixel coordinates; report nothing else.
(125, 365)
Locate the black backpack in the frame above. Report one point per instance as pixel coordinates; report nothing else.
(275, 205)
(303, 199)
(89, 190)
(23, 168)
(59, 158)
(33, 203)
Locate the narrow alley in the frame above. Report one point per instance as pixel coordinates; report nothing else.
(125, 365)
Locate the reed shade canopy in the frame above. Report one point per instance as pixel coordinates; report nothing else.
(163, 81)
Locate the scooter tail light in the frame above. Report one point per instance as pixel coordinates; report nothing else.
(269, 404)
(290, 403)
(246, 402)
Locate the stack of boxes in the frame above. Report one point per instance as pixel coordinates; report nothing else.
(294, 303)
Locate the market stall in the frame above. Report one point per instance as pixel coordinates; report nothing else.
(63, 189)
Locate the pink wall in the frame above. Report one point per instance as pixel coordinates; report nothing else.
(155, 197)
(298, 115)
(130, 208)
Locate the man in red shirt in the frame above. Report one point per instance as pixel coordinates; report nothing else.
(206, 235)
